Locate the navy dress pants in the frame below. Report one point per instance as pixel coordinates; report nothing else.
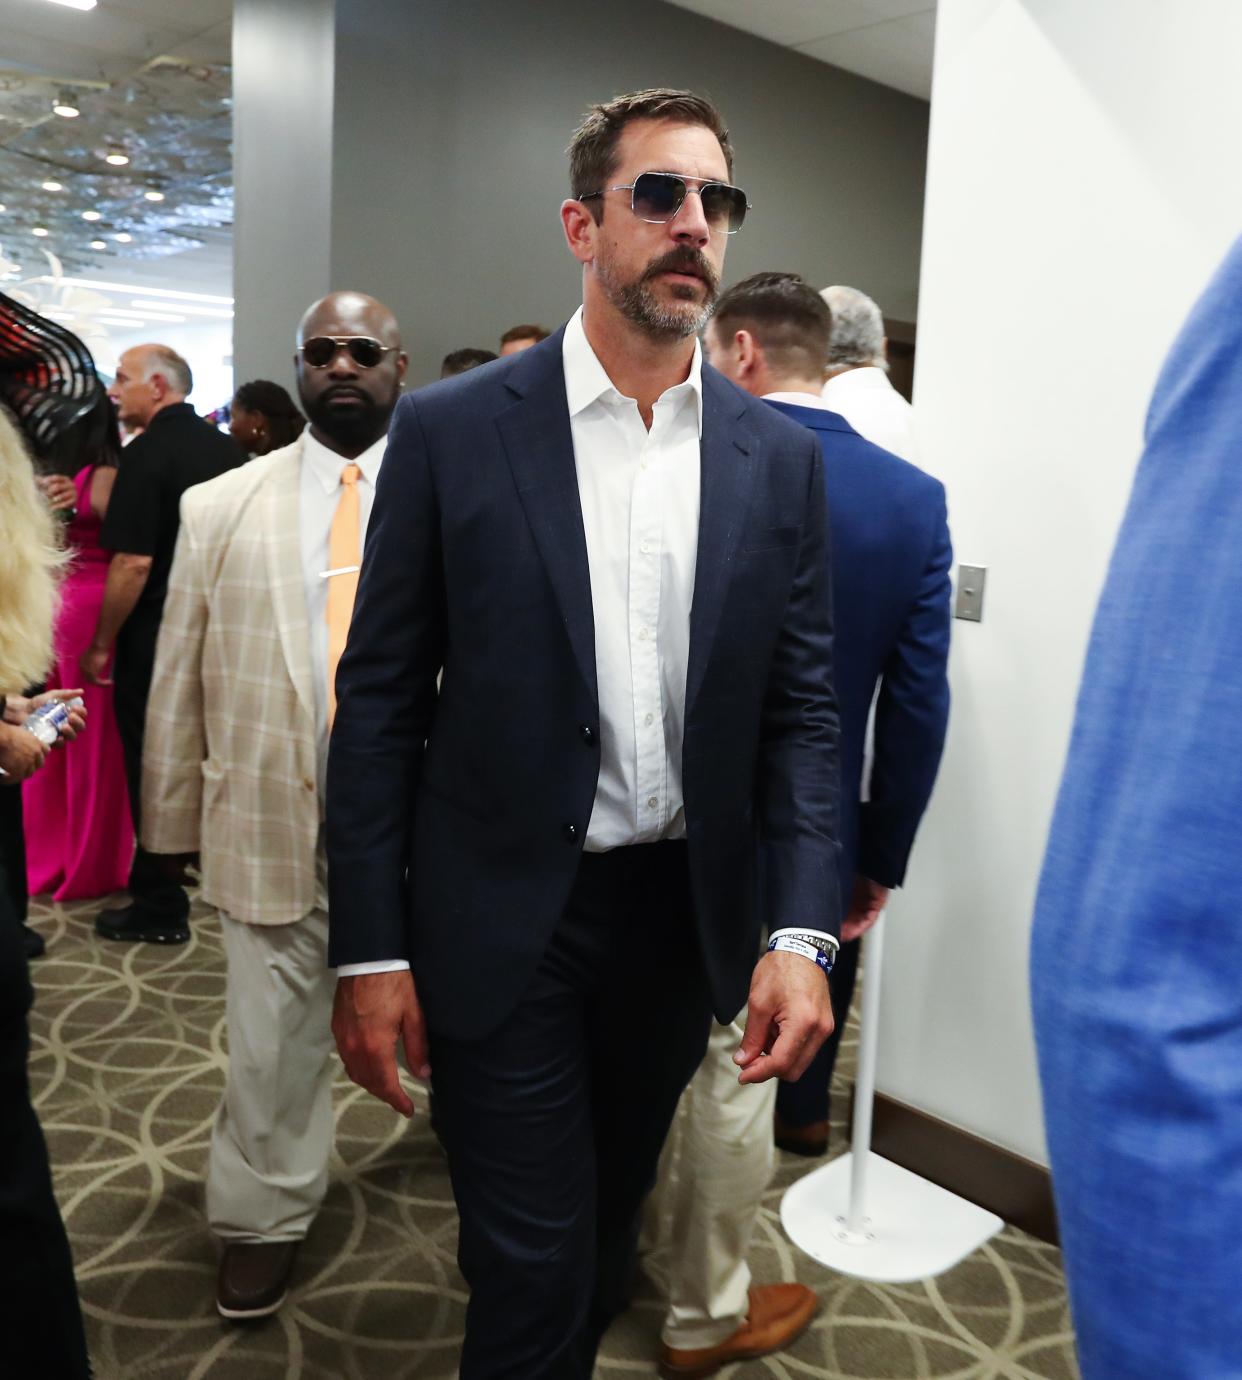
(554, 1122)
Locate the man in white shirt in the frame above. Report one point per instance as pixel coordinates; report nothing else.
(858, 386)
(547, 873)
(242, 701)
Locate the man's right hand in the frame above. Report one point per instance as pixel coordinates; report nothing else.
(21, 753)
(370, 1013)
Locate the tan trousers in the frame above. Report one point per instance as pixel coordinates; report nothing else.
(268, 1168)
(713, 1174)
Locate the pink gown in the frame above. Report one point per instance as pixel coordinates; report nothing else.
(79, 837)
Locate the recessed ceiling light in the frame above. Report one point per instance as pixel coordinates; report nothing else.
(99, 244)
(116, 155)
(153, 194)
(76, 4)
(51, 185)
(3, 209)
(66, 106)
(39, 231)
(123, 237)
(92, 215)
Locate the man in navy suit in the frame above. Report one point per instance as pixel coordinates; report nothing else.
(545, 877)
(890, 556)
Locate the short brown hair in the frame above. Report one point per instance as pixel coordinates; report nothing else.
(788, 318)
(535, 333)
(593, 149)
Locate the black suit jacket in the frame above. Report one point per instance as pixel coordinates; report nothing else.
(455, 819)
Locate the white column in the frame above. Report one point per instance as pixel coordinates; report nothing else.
(283, 110)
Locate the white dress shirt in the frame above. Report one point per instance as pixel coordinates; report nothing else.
(875, 409)
(639, 491)
(317, 500)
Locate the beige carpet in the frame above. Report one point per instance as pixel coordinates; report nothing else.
(127, 1068)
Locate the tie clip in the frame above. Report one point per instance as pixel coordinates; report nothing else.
(340, 570)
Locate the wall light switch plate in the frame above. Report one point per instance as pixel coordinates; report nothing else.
(970, 581)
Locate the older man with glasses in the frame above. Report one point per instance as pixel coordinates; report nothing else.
(259, 602)
(546, 876)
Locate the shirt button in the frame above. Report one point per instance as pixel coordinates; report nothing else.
(649, 719)
(642, 464)
(645, 547)
(653, 801)
(642, 634)
(570, 831)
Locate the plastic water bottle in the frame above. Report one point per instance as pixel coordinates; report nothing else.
(47, 721)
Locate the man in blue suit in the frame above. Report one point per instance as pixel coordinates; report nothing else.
(1136, 951)
(890, 556)
(545, 876)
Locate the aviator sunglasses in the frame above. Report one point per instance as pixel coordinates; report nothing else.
(366, 352)
(658, 196)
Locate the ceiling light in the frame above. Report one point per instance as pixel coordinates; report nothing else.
(175, 293)
(129, 324)
(40, 231)
(220, 313)
(51, 185)
(3, 208)
(123, 237)
(153, 194)
(116, 155)
(76, 4)
(99, 244)
(92, 215)
(66, 106)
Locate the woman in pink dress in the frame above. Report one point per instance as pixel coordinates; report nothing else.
(79, 838)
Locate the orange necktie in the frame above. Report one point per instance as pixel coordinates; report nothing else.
(343, 551)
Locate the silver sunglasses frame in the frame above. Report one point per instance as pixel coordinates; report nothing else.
(681, 177)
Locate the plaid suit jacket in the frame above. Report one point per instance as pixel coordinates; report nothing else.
(229, 765)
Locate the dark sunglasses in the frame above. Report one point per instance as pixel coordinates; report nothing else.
(366, 352)
(658, 196)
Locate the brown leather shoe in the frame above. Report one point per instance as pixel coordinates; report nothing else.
(254, 1278)
(811, 1140)
(778, 1314)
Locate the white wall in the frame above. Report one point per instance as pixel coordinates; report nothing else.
(1082, 185)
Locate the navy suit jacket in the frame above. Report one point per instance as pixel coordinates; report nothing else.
(455, 819)
(890, 576)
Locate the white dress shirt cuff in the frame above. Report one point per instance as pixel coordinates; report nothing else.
(379, 965)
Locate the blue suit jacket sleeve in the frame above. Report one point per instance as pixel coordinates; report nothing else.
(799, 759)
(386, 694)
(912, 713)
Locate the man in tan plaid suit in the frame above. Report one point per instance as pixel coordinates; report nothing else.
(236, 752)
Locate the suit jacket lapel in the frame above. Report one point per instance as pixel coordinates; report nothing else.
(728, 458)
(282, 541)
(539, 444)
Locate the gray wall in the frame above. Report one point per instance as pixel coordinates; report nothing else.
(282, 147)
(448, 172)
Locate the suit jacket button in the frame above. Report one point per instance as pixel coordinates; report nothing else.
(571, 832)
(588, 734)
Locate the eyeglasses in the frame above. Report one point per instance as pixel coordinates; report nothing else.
(366, 352)
(658, 196)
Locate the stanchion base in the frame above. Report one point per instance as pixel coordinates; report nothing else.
(913, 1229)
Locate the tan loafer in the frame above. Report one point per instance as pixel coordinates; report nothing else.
(778, 1314)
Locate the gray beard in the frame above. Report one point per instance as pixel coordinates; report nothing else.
(638, 304)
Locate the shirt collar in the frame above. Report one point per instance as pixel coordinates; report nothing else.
(587, 382)
(797, 400)
(865, 376)
(326, 465)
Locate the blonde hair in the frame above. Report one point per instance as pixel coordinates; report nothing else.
(30, 563)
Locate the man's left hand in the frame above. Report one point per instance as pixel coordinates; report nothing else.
(789, 1017)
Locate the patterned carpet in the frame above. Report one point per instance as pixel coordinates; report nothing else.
(127, 1067)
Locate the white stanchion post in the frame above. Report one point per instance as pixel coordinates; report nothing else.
(865, 1216)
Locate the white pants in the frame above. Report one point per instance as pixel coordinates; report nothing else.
(268, 1169)
(713, 1174)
